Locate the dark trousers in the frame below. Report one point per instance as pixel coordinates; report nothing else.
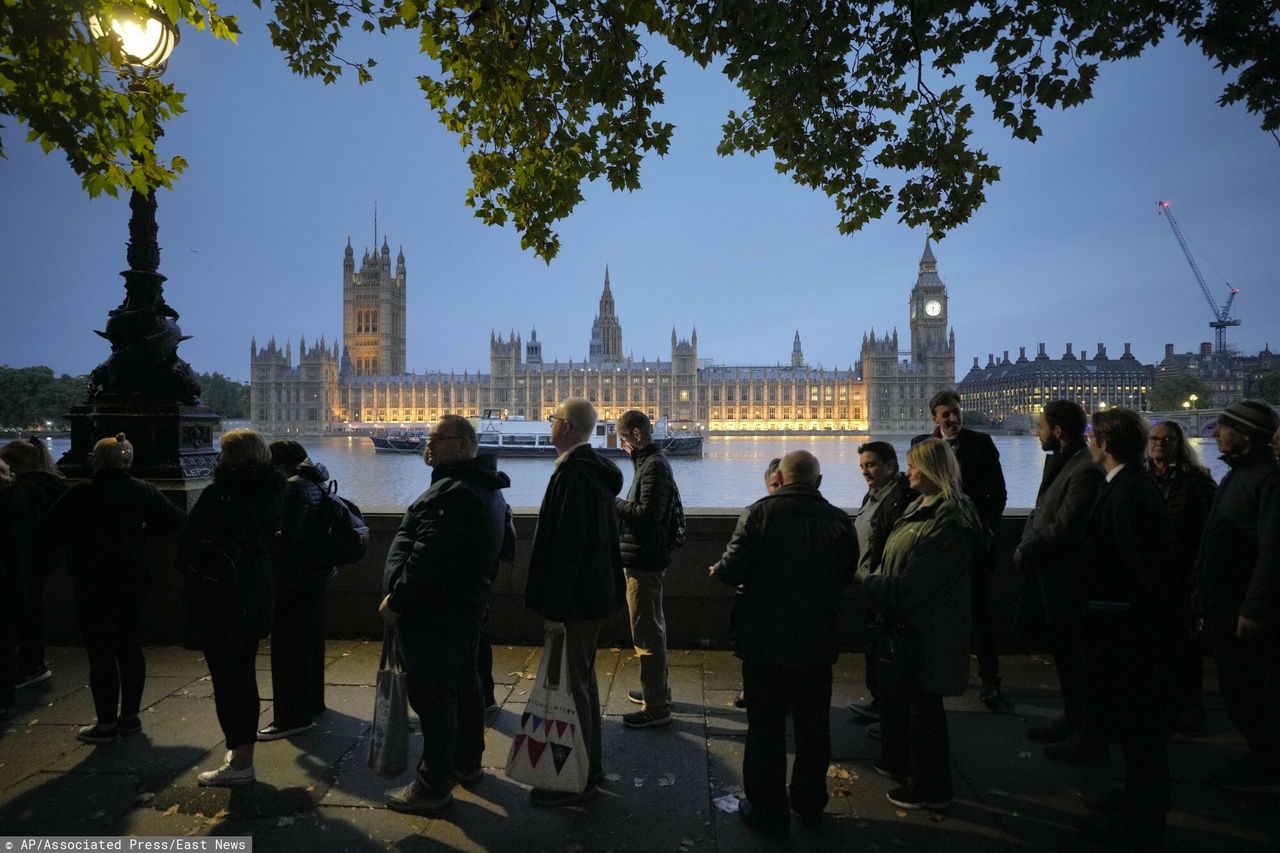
(1249, 680)
(1064, 644)
(580, 645)
(444, 691)
(8, 647)
(297, 654)
(30, 628)
(108, 619)
(980, 630)
(914, 741)
(235, 690)
(807, 694)
(1131, 695)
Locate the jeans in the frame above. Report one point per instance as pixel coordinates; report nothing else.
(108, 619)
(807, 694)
(297, 654)
(235, 690)
(914, 740)
(444, 691)
(649, 636)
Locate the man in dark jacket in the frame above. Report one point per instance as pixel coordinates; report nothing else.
(1131, 619)
(439, 569)
(888, 494)
(793, 552)
(1237, 588)
(983, 481)
(575, 570)
(645, 519)
(1049, 557)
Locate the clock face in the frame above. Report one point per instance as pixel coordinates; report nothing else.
(933, 308)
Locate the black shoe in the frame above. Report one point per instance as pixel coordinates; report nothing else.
(1111, 801)
(865, 712)
(636, 696)
(907, 798)
(645, 720)
(1083, 751)
(415, 799)
(276, 730)
(879, 766)
(1055, 732)
(30, 678)
(469, 778)
(776, 829)
(809, 818)
(128, 725)
(740, 701)
(992, 698)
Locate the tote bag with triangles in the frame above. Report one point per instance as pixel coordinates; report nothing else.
(548, 751)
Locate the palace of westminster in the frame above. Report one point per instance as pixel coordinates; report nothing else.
(363, 383)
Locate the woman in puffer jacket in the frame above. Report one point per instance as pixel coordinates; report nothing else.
(104, 523)
(226, 556)
(297, 627)
(922, 585)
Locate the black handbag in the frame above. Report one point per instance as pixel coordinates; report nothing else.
(895, 650)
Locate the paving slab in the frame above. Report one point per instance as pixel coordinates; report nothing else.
(77, 706)
(685, 683)
(66, 804)
(26, 750)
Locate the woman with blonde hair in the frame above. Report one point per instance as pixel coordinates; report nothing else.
(920, 593)
(225, 556)
(104, 524)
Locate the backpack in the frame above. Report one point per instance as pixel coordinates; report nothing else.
(342, 536)
(676, 529)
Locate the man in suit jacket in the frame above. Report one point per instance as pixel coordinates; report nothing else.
(1049, 556)
(983, 482)
(1131, 618)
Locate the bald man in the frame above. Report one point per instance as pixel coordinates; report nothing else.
(793, 552)
(575, 570)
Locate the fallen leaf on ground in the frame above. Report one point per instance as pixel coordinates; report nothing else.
(639, 781)
(727, 804)
(1024, 754)
(613, 777)
(936, 817)
(666, 780)
(171, 811)
(285, 821)
(900, 812)
(834, 772)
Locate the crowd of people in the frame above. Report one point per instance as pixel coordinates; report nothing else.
(1132, 559)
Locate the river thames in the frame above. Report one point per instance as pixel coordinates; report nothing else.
(729, 474)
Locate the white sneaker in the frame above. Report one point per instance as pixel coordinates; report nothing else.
(227, 776)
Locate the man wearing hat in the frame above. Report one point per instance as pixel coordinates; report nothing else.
(1237, 587)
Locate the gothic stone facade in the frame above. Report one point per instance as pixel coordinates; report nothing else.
(364, 384)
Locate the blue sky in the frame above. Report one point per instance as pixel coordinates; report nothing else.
(283, 170)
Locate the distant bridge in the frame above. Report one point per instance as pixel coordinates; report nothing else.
(1198, 422)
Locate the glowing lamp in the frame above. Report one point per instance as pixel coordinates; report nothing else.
(145, 41)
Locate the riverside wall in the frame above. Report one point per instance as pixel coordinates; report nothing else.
(697, 607)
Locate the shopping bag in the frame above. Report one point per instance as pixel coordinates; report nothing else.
(389, 741)
(548, 751)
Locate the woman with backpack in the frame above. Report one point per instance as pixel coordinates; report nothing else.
(104, 523)
(226, 555)
(301, 572)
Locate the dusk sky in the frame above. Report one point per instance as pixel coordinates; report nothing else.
(283, 170)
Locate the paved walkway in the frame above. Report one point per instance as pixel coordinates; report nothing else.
(315, 793)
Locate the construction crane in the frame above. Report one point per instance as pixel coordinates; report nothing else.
(1221, 316)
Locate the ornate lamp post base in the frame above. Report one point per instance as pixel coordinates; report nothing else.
(173, 442)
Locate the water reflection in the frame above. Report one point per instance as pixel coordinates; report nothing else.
(730, 474)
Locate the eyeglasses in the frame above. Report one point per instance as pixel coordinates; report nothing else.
(1162, 439)
(554, 418)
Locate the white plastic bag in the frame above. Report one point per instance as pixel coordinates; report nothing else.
(548, 751)
(389, 740)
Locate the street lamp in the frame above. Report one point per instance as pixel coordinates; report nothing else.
(143, 388)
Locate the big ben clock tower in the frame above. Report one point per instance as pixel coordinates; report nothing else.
(928, 306)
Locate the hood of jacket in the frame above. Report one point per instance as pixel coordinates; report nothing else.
(609, 474)
(312, 472)
(482, 470)
(644, 453)
(254, 480)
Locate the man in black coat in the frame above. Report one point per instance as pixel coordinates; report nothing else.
(983, 481)
(439, 568)
(575, 570)
(793, 553)
(1049, 557)
(1132, 617)
(645, 519)
(1237, 588)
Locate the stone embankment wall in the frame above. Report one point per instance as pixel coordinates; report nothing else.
(697, 607)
